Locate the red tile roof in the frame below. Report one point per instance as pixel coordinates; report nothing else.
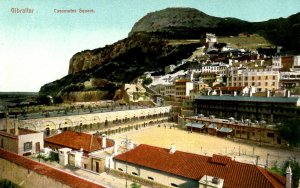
(53, 173)
(194, 166)
(77, 140)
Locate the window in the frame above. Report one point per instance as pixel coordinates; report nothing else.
(27, 146)
(266, 84)
(273, 84)
(253, 83)
(246, 84)
(246, 78)
(2, 143)
(266, 77)
(273, 77)
(150, 178)
(259, 77)
(174, 185)
(134, 173)
(270, 135)
(252, 77)
(120, 169)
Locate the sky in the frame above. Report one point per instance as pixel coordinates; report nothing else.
(35, 48)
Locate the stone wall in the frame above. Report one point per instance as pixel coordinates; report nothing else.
(25, 177)
(9, 143)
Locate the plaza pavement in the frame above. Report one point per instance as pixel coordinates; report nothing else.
(204, 144)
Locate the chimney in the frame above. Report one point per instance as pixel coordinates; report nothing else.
(115, 149)
(268, 93)
(7, 123)
(130, 145)
(288, 93)
(103, 141)
(250, 92)
(288, 177)
(172, 149)
(16, 124)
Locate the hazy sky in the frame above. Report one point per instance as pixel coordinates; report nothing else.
(36, 48)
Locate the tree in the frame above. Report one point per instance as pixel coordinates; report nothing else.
(147, 81)
(282, 170)
(8, 184)
(135, 185)
(290, 130)
(295, 171)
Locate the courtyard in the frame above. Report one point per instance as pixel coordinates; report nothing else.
(167, 133)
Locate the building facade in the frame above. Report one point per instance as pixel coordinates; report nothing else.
(74, 149)
(187, 170)
(270, 109)
(94, 121)
(183, 88)
(20, 141)
(262, 79)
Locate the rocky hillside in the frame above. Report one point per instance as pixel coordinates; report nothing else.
(148, 47)
(119, 63)
(192, 23)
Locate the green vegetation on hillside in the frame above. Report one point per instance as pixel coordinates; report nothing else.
(251, 42)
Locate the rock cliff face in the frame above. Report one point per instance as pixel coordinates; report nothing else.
(120, 63)
(145, 45)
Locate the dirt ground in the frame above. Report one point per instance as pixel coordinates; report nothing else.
(204, 144)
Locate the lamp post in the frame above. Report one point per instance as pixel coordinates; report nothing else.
(125, 142)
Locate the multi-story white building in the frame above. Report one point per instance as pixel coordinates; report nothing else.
(170, 90)
(262, 79)
(218, 68)
(276, 63)
(289, 79)
(183, 88)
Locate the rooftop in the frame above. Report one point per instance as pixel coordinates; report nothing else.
(229, 88)
(293, 100)
(77, 140)
(12, 132)
(58, 175)
(194, 166)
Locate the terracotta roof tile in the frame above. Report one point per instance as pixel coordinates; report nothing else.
(194, 166)
(218, 159)
(77, 140)
(53, 173)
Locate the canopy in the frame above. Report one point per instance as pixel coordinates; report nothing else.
(225, 130)
(195, 125)
(212, 126)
